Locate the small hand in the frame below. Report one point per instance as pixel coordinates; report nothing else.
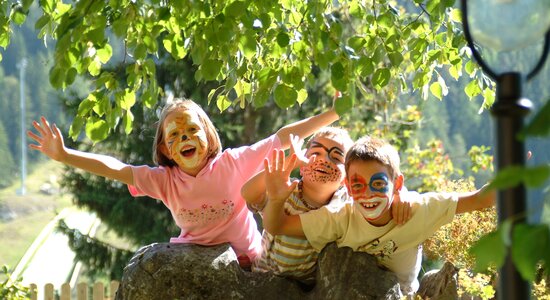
(49, 139)
(277, 176)
(401, 209)
(296, 148)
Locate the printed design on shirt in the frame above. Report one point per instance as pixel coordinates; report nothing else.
(378, 249)
(206, 213)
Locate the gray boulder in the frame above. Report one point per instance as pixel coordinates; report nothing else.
(186, 271)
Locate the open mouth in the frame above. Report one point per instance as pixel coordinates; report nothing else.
(369, 205)
(188, 152)
(319, 170)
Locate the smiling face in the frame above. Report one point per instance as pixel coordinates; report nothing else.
(329, 163)
(372, 190)
(185, 141)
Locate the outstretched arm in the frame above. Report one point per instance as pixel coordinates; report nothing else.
(306, 127)
(50, 142)
(477, 200)
(279, 187)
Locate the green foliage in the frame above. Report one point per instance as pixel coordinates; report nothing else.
(517, 241)
(515, 175)
(12, 289)
(360, 44)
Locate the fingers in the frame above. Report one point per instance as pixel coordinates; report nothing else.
(280, 160)
(290, 164)
(267, 166)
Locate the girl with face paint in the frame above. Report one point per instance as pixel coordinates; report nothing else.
(197, 181)
(322, 170)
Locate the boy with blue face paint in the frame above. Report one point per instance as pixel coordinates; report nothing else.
(373, 179)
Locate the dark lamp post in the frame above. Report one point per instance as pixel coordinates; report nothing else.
(504, 25)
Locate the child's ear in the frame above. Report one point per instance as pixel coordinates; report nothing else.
(348, 188)
(398, 183)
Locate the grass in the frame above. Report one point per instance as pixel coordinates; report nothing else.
(29, 213)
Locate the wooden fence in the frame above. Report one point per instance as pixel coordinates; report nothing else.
(81, 292)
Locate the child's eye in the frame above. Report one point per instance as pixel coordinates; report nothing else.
(357, 186)
(337, 158)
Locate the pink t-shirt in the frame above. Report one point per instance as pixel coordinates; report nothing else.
(209, 208)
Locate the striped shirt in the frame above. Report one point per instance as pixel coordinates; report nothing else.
(289, 256)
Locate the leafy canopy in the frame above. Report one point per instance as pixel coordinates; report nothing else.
(261, 50)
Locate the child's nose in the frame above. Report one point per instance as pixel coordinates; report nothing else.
(184, 137)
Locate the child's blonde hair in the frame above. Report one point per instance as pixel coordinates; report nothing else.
(337, 134)
(373, 149)
(214, 143)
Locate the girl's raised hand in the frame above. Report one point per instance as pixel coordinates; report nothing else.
(277, 176)
(49, 139)
(296, 148)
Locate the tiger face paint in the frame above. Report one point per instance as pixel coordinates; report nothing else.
(185, 140)
(328, 166)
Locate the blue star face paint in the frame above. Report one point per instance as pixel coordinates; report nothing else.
(379, 183)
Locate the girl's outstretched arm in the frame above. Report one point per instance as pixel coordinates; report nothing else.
(50, 142)
(306, 127)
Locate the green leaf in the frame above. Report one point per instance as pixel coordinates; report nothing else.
(223, 103)
(41, 22)
(18, 15)
(381, 78)
(337, 70)
(127, 121)
(105, 53)
(343, 105)
(285, 96)
(283, 39)
(436, 90)
(531, 244)
(247, 44)
(302, 96)
(97, 129)
(472, 89)
(4, 39)
(211, 68)
(356, 43)
(489, 250)
(71, 76)
(540, 124)
(365, 66)
(94, 67)
(395, 58)
(514, 175)
(57, 77)
(236, 9)
(76, 127)
(127, 99)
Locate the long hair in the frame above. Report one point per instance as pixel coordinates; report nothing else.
(214, 143)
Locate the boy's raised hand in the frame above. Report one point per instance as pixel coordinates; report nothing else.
(277, 176)
(49, 139)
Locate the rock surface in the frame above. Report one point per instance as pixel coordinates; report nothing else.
(185, 271)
